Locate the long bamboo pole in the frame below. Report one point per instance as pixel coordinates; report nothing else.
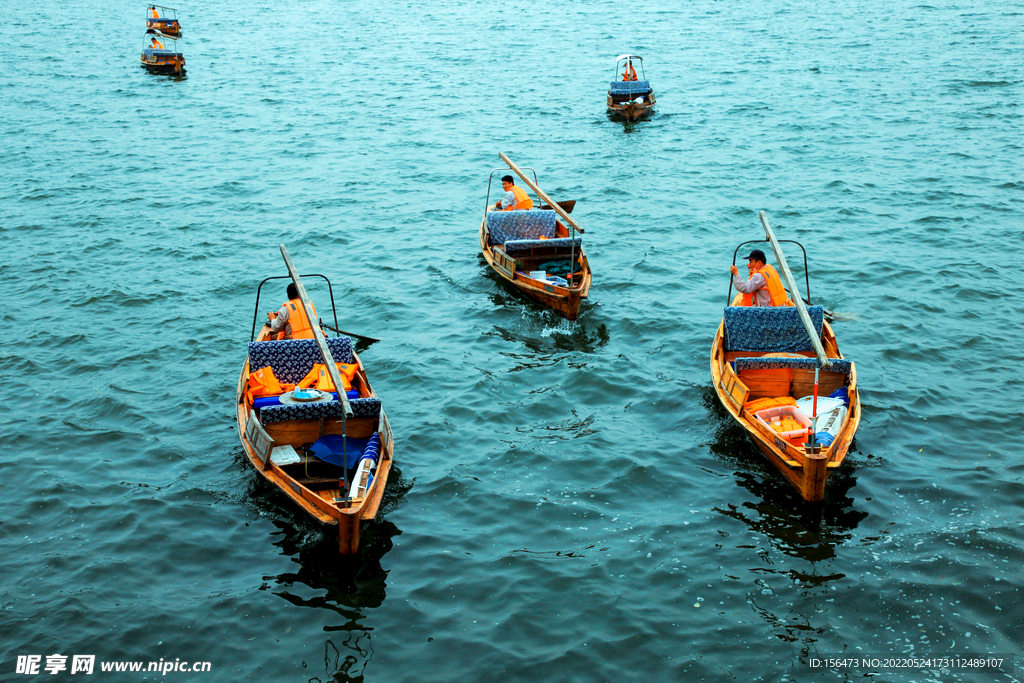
(819, 351)
(332, 369)
(321, 343)
(540, 193)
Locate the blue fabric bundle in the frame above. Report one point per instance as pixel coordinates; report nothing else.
(329, 448)
(372, 450)
(842, 393)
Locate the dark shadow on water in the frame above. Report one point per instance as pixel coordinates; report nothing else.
(340, 590)
(774, 511)
(809, 531)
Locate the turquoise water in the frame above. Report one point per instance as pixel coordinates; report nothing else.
(569, 502)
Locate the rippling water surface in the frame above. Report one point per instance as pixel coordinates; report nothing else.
(570, 503)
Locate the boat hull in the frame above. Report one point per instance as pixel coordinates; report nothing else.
(170, 63)
(565, 301)
(169, 27)
(320, 505)
(806, 471)
(631, 111)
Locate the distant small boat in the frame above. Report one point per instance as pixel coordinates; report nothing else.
(629, 96)
(157, 59)
(330, 452)
(779, 373)
(536, 253)
(157, 19)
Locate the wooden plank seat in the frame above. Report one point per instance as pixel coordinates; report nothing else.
(770, 376)
(318, 483)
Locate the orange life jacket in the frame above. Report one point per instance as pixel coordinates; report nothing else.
(629, 73)
(298, 326)
(765, 403)
(319, 378)
(523, 200)
(775, 288)
(156, 45)
(263, 383)
(153, 13)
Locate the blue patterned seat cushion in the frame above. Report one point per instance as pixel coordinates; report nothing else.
(361, 407)
(838, 364)
(161, 54)
(520, 225)
(292, 359)
(513, 247)
(769, 328)
(630, 88)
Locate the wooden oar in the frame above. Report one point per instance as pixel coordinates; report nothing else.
(805, 318)
(568, 205)
(318, 335)
(351, 334)
(540, 193)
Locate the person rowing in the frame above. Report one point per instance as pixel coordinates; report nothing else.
(764, 288)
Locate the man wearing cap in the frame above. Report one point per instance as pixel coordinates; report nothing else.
(515, 197)
(764, 288)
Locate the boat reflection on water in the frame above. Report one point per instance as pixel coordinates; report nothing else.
(792, 543)
(341, 588)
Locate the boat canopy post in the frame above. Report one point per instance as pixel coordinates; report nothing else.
(805, 318)
(332, 369)
(554, 205)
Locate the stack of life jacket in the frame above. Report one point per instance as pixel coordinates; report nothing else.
(766, 403)
(263, 383)
(318, 378)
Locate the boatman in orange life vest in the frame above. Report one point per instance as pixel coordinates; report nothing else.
(155, 44)
(515, 197)
(153, 14)
(628, 72)
(764, 288)
(290, 322)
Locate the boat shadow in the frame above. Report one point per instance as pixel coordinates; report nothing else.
(809, 531)
(183, 76)
(344, 587)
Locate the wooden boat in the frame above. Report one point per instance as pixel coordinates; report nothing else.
(787, 352)
(535, 252)
(306, 448)
(158, 20)
(628, 96)
(158, 59)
